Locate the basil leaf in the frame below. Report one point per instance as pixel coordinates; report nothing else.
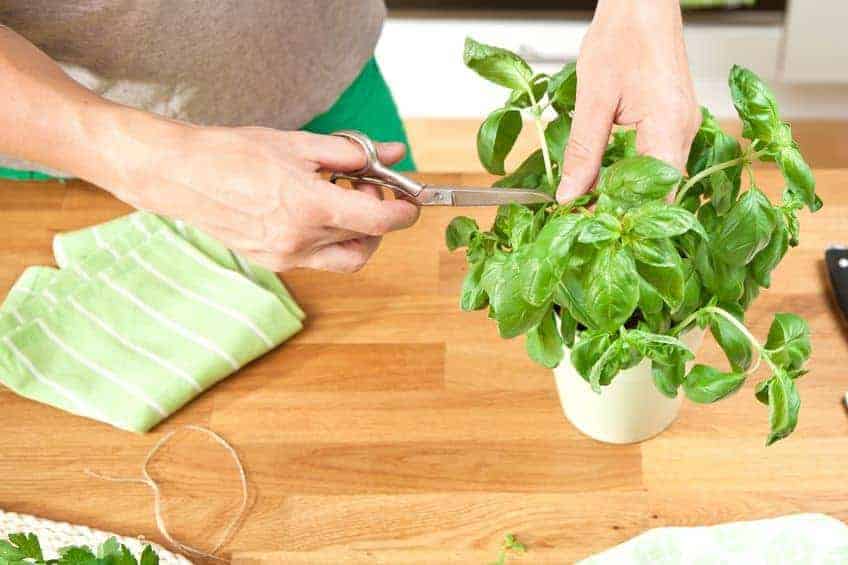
(473, 296)
(497, 65)
(746, 229)
(668, 281)
(538, 278)
(612, 288)
(704, 384)
(766, 260)
(788, 340)
(668, 378)
(635, 180)
(622, 146)
(587, 350)
(562, 89)
(663, 349)
(691, 292)
(459, 231)
(601, 227)
(608, 365)
(514, 314)
(557, 236)
(567, 327)
(656, 220)
(761, 391)
(496, 138)
(650, 301)
(515, 224)
(570, 295)
(798, 176)
(529, 174)
(755, 105)
(733, 342)
(556, 137)
(712, 146)
(656, 252)
(784, 404)
(544, 344)
(750, 292)
(521, 98)
(724, 281)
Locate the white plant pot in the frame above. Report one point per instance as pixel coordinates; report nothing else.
(628, 410)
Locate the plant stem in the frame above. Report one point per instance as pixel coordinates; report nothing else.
(746, 158)
(762, 353)
(540, 130)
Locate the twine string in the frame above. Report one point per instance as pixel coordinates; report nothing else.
(146, 479)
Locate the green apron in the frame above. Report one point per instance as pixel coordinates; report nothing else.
(367, 105)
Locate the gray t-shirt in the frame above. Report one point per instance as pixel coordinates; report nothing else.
(273, 63)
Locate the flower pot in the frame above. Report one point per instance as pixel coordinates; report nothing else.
(628, 410)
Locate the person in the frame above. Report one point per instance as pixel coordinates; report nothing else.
(219, 113)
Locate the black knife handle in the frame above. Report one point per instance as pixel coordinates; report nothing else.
(836, 260)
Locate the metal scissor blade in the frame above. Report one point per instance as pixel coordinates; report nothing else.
(473, 196)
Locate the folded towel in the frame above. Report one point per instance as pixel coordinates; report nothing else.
(798, 539)
(143, 316)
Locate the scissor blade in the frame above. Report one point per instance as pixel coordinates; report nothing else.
(478, 196)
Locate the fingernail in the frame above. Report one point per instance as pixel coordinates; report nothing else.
(567, 191)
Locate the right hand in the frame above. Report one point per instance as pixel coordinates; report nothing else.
(259, 191)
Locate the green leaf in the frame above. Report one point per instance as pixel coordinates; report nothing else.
(588, 349)
(496, 138)
(766, 260)
(784, 404)
(733, 342)
(514, 314)
(109, 547)
(77, 555)
(562, 89)
(755, 105)
(521, 98)
(798, 176)
(788, 341)
(610, 363)
(712, 146)
(691, 292)
(473, 296)
(544, 344)
(567, 327)
(529, 174)
(622, 146)
(148, 556)
(746, 229)
(724, 281)
(497, 65)
(660, 348)
(655, 220)
(557, 236)
(459, 231)
(516, 224)
(570, 295)
(612, 288)
(538, 278)
(556, 137)
(656, 252)
(668, 281)
(704, 384)
(19, 547)
(636, 180)
(601, 227)
(668, 378)
(650, 301)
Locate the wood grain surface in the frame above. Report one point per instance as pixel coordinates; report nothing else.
(397, 429)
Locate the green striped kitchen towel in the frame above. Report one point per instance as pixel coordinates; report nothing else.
(142, 316)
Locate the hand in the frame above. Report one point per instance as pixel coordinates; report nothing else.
(258, 190)
(632, 70)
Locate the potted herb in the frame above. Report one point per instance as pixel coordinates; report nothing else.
(615, 288)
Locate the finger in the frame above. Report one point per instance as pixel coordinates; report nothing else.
(345, 257)
(336, 153)
(590, 131)
(657, 137)
(360, 211)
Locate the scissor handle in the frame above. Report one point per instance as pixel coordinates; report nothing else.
(375, 170)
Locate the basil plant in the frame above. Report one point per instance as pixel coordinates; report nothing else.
(619, 274)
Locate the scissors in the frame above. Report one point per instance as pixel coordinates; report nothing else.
(376, 173)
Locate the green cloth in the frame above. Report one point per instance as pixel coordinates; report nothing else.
(798, 539)
(366, 105)
(142, 316)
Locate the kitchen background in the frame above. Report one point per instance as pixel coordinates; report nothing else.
(797, 46)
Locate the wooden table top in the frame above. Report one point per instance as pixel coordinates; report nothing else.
(397, 429)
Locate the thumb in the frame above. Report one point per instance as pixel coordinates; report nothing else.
(590, 131)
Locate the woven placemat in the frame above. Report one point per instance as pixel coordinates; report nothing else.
(54, 535)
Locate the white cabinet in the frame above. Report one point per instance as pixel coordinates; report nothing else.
(816, 44)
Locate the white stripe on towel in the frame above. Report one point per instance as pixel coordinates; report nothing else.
(185, 332)
(235, 315)
(129, 345)
(102, 371)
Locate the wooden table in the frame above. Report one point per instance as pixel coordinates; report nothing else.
(396, 429)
